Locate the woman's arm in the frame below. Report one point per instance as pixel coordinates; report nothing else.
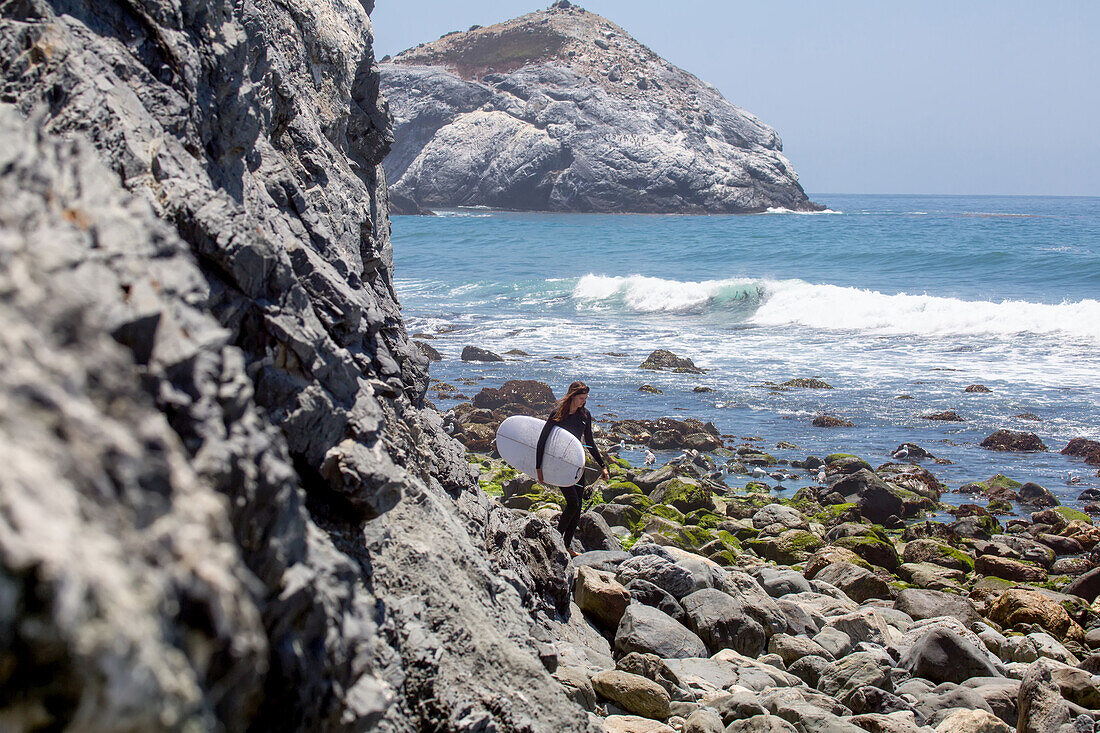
(541, 446)
(590, 441)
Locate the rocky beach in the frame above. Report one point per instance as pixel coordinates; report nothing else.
(714, 605)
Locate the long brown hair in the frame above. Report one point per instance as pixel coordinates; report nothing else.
(562, 407)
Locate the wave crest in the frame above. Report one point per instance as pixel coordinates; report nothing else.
(832, 307)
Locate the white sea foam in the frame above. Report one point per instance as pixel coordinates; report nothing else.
(835, 308)
(656, 295)
(839, 308)
(784, 210)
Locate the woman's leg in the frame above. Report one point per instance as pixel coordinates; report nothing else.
(571, 515)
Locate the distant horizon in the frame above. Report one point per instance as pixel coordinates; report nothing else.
(984, 99)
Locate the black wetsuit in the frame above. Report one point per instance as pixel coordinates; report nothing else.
(579, 423)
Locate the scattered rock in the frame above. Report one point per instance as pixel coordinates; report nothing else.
(666, 360)
(1012, 440)
(807, 383)
(831, 421)
(981, 388)
(633, 693)
(473, 353)
(945, 416)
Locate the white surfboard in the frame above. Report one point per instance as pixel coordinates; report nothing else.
(562, 458)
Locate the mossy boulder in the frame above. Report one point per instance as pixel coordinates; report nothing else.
(837, 514)
(704, 518)
(638, 501)
(689, 538)
(875, 548)
(537, 498)
(615, 489)
(757, 458)
(793, 546)
(845, 461)
(685, 494)
(937, 553)
(1071, 515)
(667, 512)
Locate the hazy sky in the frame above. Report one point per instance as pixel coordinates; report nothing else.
(974, 97)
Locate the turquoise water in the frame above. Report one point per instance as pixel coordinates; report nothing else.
(880, 296)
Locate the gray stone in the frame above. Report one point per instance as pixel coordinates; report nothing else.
(809, 669)
(647, 630)
(921, 603)
(723, 622)
(645, 592)
(942, 656)
(857, 583)
(778, 582)
(661, 572)
(852, 672)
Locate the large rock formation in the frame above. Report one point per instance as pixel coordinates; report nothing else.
(224, 503)
(562, 110)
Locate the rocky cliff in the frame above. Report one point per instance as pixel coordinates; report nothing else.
(562, 110)
(226, 505)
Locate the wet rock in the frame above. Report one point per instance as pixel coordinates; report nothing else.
(831, 421)
(807, 383)
(667, 361)
(979, 388)
(474, 353)
(428, 351)
(1033, 494)
(1084, 448)
(945, 416)
(1011, 440)
(1087, 586)
(877, 499)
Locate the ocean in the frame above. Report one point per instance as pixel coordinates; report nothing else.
(879, 296)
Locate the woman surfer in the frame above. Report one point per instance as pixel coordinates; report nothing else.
(570, 414)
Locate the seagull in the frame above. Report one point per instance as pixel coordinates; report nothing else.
(759, 473)
(901, 453)
(1073, 480)
(650, 457)
(821, 476)
(718, 475)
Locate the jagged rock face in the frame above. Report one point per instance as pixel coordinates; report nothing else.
(562, 110)
(226, 505)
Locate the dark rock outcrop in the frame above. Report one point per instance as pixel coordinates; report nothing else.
(221, 443)
(561, 110)
(1012, 440)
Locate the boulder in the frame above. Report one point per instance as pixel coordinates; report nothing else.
(703, 720)
(809, 669)
(661, 572)
(473, 353)
(577, 686)
(1011, 440)
(1086, 586)
(857, 583)
(723, 622)
(600, 596)
(1041, 706)
(666, 360)
(761, 724)
(632, 693)
(945, 416)
(1023, 606)
(1003, 567)
(645, 592)
(923, 603)
(877, 500)
(938, 553)
(792, 648)
(1084, 448)
(778, 582)
(777, 515)
(852, 672)
(594, 534)
(942, 656)
(1033, 494)
(646, 629)
(972, 721)
(831, 421)
(634, 724)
